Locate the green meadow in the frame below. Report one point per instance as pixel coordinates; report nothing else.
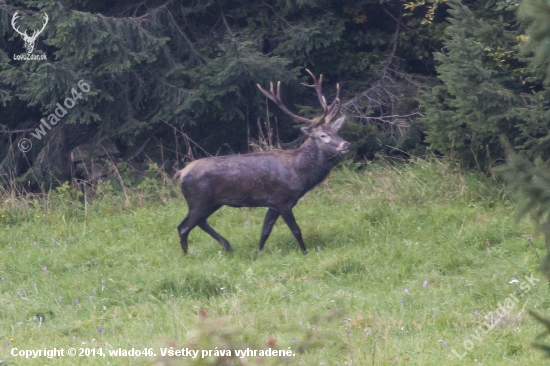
(413, 263)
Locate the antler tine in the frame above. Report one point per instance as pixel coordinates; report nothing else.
(335, 98)
(318, 88)
(313, 76)
(334, 107)
(334, 111)
(276, 98)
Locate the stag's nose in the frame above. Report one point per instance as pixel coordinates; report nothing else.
(346, 145)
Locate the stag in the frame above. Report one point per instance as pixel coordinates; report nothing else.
(29, 40)
(275, 179)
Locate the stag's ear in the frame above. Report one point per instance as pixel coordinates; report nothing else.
(338, 123)
(307, 130)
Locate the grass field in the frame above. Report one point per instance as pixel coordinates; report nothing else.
(406, 263)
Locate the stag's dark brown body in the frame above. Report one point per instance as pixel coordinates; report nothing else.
(275, 179)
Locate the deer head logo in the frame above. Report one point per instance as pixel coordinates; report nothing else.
(29, 40)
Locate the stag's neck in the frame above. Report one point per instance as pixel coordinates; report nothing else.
(312, 164)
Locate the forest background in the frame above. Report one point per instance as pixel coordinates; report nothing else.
(170, 81)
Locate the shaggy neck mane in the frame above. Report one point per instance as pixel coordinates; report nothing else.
(312, 163)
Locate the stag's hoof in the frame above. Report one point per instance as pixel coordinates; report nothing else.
(225, 244)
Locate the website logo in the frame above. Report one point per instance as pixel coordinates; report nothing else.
(30, 41)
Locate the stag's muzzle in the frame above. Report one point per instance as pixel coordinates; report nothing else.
(344, 147)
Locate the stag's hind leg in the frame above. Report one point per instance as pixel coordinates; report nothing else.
(204, 225)
(194, 217)
(185, 227)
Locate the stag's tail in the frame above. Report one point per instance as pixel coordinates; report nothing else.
(177, 177)
(180, 174)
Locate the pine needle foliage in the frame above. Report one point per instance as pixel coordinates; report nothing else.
(536, 13)
(488, 90)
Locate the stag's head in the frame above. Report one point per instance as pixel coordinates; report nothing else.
(30, 41)
(321, 129)
(327, 138)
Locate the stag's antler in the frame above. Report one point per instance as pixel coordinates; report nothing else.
(334, 107)
(317, 86)
(329, 111)
(277, 99)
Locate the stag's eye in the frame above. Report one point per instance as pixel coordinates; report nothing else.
(323, 136)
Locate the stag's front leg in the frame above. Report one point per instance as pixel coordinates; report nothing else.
(288, 216)
(270, 218)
